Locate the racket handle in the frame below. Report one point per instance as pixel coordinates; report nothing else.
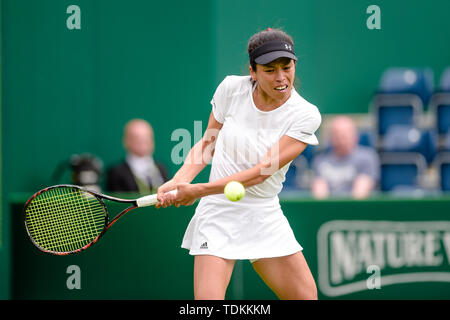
(151, 199)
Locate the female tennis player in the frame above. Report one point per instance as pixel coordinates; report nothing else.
(258, 125)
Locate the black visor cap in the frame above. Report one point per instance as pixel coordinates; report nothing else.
(271, 51)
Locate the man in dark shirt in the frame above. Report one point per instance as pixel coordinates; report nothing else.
(139, 172)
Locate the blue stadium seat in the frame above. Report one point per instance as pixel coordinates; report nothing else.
(446, 142)
(440, 109)
(367, 138)
(444, 84)
(401, 138)
(429, 145)
(442, 165)
(417, 81)
(401, 171)
(298, 175)
(443, 116)
(395, 109)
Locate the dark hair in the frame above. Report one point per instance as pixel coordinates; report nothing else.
(264, 36)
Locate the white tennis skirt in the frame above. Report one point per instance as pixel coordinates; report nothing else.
(252, 228)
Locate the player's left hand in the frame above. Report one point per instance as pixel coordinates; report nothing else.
(186, 196)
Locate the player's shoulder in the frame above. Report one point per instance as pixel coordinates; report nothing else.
(304, 105)
(237, 84)
(303, 109)
(238, 80)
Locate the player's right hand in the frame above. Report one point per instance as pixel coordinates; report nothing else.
(166, 199)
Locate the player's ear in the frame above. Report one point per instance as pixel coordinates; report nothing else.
(252, 73)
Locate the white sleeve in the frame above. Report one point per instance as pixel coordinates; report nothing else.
(220, 101)
(304, 128)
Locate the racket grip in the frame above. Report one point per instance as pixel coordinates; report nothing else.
(151, 199)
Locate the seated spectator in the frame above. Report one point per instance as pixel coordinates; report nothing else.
(346, 169)
(138, 172)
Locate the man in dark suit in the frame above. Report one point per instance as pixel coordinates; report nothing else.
(139, 172)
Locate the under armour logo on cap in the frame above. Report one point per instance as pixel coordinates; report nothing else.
(288, 46)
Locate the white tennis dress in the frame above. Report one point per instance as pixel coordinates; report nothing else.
(254, 227)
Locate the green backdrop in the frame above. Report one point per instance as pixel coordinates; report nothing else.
(71, 91)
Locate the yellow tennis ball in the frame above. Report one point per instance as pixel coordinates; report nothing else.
(234, 191)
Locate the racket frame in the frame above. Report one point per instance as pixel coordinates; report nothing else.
(99, 197)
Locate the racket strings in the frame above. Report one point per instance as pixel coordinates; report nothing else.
(64, 219)
(66, 225)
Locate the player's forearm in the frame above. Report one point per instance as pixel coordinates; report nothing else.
(196, 160)
(278, 156)
(248, 178)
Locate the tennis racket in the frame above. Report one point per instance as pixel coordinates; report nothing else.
(66, 219)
